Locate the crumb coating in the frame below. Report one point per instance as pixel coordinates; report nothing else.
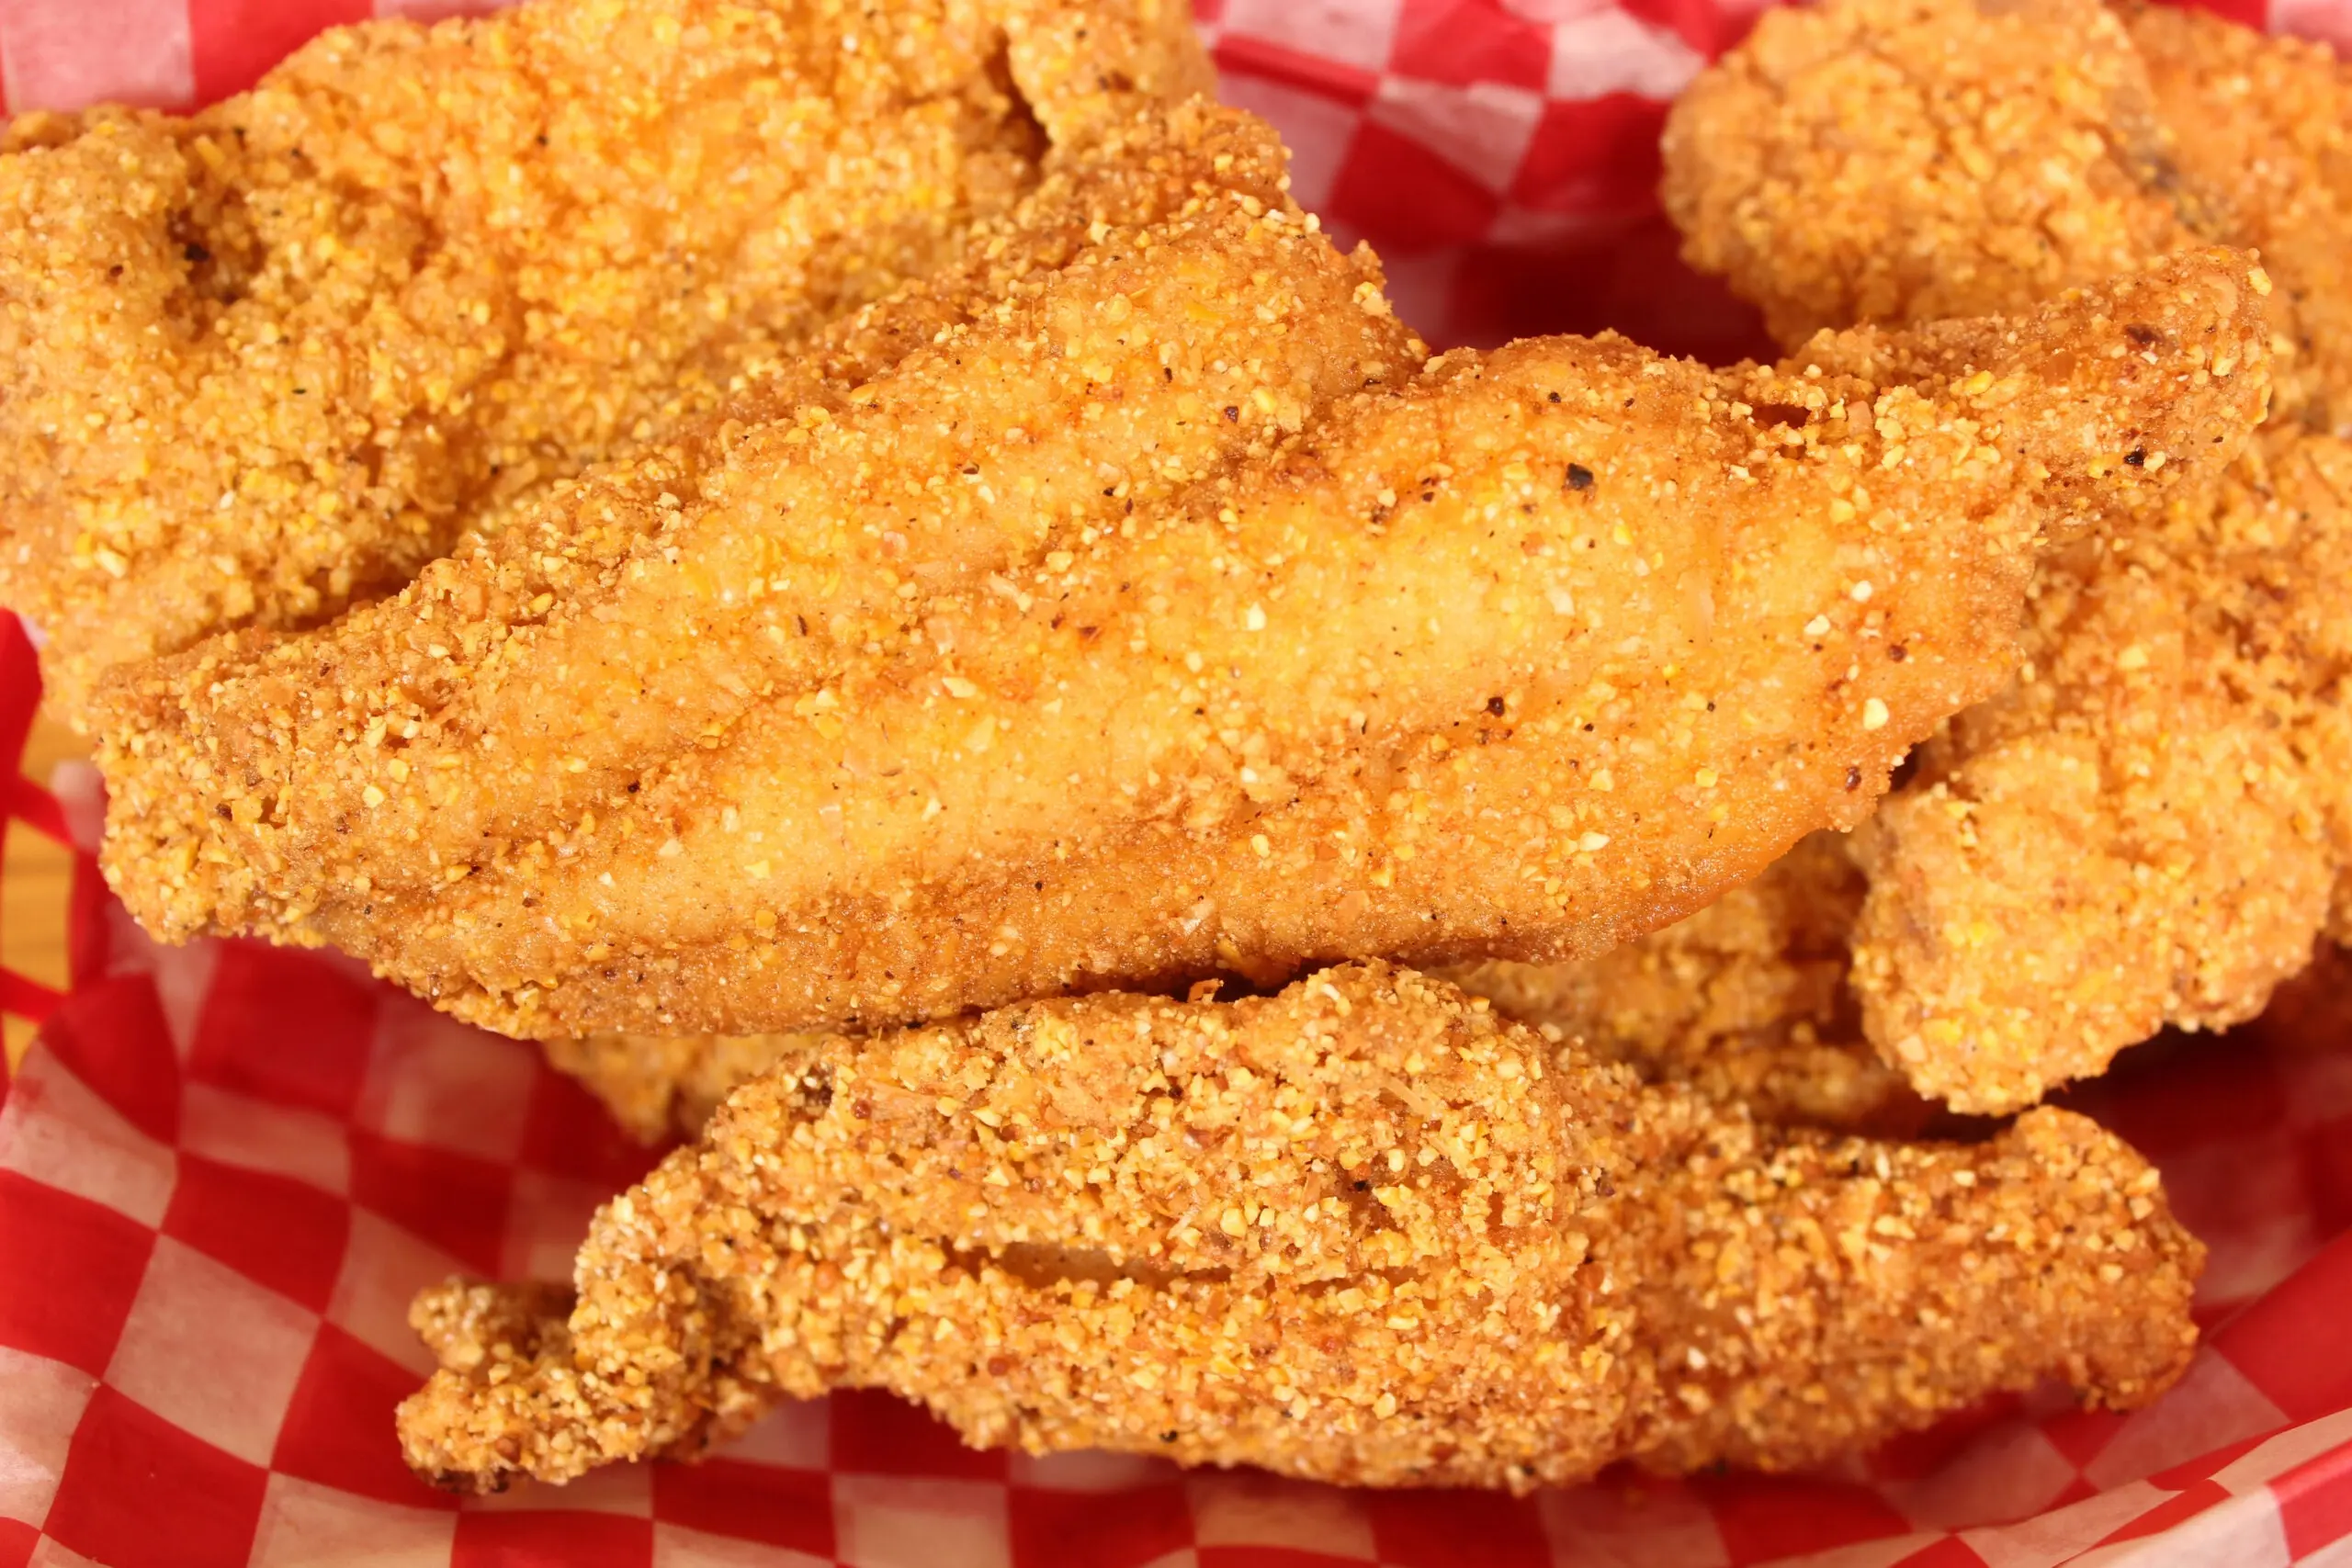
(1365, 1231)
(265, 361)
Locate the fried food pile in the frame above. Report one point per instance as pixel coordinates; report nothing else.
(2149, 827)
(262, 363)
(1362, 1231)
(847, 567)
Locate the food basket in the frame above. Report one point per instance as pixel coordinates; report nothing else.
(225, 1168)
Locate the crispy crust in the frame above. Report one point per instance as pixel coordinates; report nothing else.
(264, 362)
(1363, 1231)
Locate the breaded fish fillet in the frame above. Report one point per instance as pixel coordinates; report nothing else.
(945, 693)
(1362, 1232)
(265, 361)
(2150, 827)
(1746, 1001)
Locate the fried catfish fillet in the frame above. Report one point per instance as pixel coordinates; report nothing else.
(2149, 827)
(1363, 1231)
(263, 361)
(944, 692)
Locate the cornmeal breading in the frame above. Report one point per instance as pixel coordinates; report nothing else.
(1747, 1001)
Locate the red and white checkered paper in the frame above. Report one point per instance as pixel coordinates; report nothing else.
(224, 1169)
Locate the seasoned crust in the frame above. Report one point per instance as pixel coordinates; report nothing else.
(1747, 1001)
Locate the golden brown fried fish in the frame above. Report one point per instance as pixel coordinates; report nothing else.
(1363, 1232)
(1746, 1001)
(1106, 641)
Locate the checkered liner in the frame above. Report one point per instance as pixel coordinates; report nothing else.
(224, 1169)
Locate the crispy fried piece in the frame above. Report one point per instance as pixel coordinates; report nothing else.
(302, 339)
(1746, 1001)
(1364, 1232)
(2265, 124)
(664, 1085)
(2150, 827)
(1604, 634)
(1912, 160)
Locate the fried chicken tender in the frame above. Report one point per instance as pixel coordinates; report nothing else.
(1746, 1001)
(1525, 657)
(2149, 828)
(265, 361)
(1364, 1232)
